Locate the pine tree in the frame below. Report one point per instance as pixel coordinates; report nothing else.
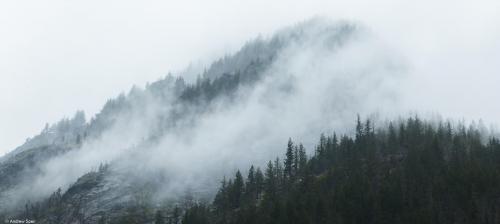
(289, 159)
(251, 177)
(295, 160)
(270, 181)
(278, 167)
(251, 188)
(302, 157)
(259, 181)
(359, 128)
(392, 141)
(221, 200)
(237, 190)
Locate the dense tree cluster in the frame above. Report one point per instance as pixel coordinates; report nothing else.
(410, 172)
(406, 172)
(175, 98)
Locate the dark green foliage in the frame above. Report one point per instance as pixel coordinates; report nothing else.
(289, 160)
(159, 219)
(237, 190)
(407, 172)
(198, 214)
(416, 173)
(207, 88)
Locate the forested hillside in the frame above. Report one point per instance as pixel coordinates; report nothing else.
(411, 171)
(408, 172)
(169, 152)
(154, 140)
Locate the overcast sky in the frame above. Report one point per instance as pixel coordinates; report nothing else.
(57, 57)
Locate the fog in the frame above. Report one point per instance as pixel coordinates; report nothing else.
(60, 56)
(399, 59)
(317, 84)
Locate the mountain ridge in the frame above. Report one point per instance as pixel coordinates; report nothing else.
(175, 104)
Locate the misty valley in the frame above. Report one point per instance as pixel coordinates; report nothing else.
(304, 126)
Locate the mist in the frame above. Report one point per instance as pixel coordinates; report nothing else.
(368, 65)
(341, 60)
(108, 47)
(317, 84)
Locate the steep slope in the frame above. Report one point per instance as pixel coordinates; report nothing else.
(172, 136)
(71, 134)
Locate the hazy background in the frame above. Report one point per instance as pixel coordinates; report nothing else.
(60, 56)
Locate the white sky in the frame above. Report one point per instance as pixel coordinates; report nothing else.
(60, 56)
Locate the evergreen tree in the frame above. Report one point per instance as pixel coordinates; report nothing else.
(295, 160)
(424, 175)
(289, 159)
(302, 157)
(237, 190)
(251, 186)
(271, 182)
(259, 181)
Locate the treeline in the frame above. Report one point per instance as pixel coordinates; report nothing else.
(407, 172)
(410, 172)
